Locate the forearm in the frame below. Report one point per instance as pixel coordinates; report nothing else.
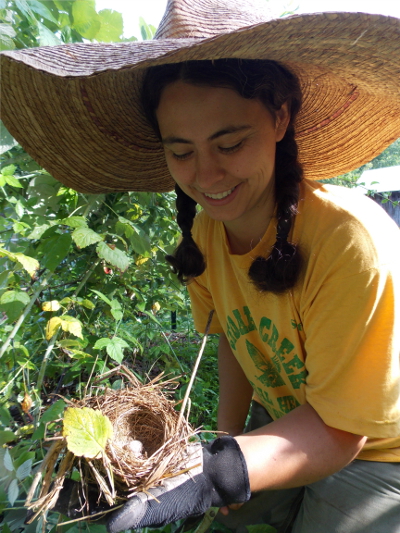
(298, 449)
(235, 391)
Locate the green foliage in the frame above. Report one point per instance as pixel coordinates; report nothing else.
(83, 282)
(28, 23)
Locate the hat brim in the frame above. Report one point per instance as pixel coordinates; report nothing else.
(76, 108)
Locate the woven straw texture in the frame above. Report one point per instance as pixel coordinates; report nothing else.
(75, 108)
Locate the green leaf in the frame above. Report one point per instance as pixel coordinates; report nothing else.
(262, 528)
(13, 303)
(23, 6)
(40, 9)
(19, 209)
(24, 470)
(6, 436)
(86, 21)
(7, 33)
(47, 37)
(5, 419)
(6, 527)
(38, 231)
(8, 462)
(55, 250)
(13, 491)
(102, 297)
(13, 182)
(85, 237)
(87, 431)
(74, 222)
(112, 26)
(147, 30)
(115, 349)
(53, 412)
(2, 180)
(115, 257)
(78, 354)
(8, 170)
(30, 264)
(117, 314)
(101, 343)
(87, 303)
(140, 241)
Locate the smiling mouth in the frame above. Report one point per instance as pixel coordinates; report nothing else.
(220, 195)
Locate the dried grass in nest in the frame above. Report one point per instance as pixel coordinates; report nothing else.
(139, 414)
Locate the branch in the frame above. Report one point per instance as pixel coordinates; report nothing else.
(24, 314)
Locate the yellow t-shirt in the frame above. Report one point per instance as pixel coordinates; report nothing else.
(334, 340)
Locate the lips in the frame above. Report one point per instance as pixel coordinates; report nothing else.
(220, 195)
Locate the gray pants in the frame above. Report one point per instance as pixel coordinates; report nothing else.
(363, 497)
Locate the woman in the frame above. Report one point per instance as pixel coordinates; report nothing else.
(304, 278)
(293, 318)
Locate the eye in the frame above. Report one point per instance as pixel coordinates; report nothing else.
(181, 157)
(230, 149)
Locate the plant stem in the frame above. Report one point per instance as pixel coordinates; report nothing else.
(45, 360)
(172, 350)
(25, 314)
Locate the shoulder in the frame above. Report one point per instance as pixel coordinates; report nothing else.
(343, 222)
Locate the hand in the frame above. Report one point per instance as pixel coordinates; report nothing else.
(220, 479)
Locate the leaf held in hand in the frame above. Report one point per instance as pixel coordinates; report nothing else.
(87, 431)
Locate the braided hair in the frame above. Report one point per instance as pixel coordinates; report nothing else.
(273, 84)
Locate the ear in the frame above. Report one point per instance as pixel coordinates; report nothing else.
(281, 121)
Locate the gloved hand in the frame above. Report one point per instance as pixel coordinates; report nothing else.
(220, 479)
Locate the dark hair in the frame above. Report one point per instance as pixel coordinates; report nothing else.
(272, 84)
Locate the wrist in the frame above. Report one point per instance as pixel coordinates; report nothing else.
(224, 462)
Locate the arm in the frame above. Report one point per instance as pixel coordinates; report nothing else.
(296, 450)
(235, 392)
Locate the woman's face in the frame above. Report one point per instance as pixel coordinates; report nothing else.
(220, 148)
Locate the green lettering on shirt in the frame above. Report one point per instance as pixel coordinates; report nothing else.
(287, 403)
(243, 328)
(265, 323)
(276, 414)
(273, 339)
(285, 348)
(232, 332)
(295, 379)
(294, 363)
(298, 379)
(262, 393)
(270, 376)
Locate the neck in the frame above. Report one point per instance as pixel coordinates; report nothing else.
(246, 232)
(243, 240)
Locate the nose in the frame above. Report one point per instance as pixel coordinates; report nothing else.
(208, 171)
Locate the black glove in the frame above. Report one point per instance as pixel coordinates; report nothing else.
(220, 480)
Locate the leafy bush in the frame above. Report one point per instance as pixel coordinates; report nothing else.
(83, 283)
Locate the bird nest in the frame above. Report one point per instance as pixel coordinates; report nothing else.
(147, 444)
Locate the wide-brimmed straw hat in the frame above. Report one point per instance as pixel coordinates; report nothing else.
(76, 108)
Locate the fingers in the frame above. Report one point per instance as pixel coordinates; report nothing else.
(233, 507)
(129, 516)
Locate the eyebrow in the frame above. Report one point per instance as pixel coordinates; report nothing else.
(225, 131)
